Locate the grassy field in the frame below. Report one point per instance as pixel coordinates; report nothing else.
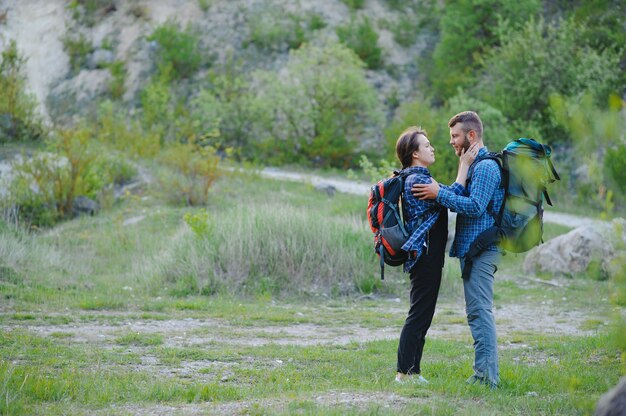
(268, 302)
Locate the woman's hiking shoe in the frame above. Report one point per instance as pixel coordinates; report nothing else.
(411, 378)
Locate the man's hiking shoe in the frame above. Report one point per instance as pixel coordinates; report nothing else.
(481, 380)
(411, 378)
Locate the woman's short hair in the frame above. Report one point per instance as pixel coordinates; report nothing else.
(407, 144)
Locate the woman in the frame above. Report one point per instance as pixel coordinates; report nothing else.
(427, 224)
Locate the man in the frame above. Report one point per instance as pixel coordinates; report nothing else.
(476, 206)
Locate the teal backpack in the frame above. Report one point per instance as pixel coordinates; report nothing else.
(526, 170)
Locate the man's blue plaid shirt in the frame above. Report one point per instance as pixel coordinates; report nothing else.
(476, 206)
(419, 215)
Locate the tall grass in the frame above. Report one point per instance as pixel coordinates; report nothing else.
(271, 248)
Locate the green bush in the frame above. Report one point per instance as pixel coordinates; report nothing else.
(78, 48)
(178, 50)
(539, 60)
(354, 4)
(468, 29)
(191, 171)
(362, 38)
(227, 111)
(115, 129)
(315, 21)
(18, 116)
(405, 29)
(319, 110)
(45, 186)
(156, 104)
(598, 137)
(205, 5)
(118, 80)
(88, 11)
(615, 167)
(275, 29)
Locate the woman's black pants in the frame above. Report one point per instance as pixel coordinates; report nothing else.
(425, 283)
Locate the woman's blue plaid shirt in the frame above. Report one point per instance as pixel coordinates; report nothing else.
(419, 215)
(477, 206)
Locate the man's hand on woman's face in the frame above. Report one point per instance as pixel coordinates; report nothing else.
(426, 190)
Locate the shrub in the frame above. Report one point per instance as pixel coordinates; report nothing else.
(321, 109)
(405, 29)
(118, 79)
(539, 60)
(362, 38)
(598, 137)
(78, 48)
(177, 50)
(275, 29)
(205, 5)
(18, 117)
(114, 128)
(315, 21)
(354, 4)
(225, 114)
(467, 30)
(45, 186)
(156, 104)
(88, 11)
(615, 167)
(191, 172)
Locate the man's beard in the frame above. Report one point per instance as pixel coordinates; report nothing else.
(466, 144)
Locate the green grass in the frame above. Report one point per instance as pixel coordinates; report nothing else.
(40, 371)
(103, 317)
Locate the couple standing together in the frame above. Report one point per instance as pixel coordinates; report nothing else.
(476, 197)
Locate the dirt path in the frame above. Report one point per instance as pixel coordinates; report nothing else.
(362, 188)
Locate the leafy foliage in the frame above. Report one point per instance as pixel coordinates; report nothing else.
(44, 187)
(118, 79)
(598, 136)
(468, 29)
(78, 48)
(320, 109)
(88, 11)
(177, 49)
(192, 171)
(275, 29)
(360, 36)
(520, 75)
(227, 110)
(18, 116)
(354, 4)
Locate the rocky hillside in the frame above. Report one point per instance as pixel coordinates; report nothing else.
(118, 31)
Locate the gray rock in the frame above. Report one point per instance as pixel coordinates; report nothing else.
(571, 253)
(326, 188)
(84, 205)
(100, 58)
(613, 403)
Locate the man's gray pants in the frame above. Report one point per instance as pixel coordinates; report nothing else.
(478, 291)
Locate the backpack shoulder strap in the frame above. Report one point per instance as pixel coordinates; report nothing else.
(504, 179)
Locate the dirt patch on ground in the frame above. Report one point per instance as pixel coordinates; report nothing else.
(334, 399)
(112, 329)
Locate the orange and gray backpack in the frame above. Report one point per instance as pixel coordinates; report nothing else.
(384, 214)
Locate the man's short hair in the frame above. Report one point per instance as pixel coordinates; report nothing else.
(470, 121)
